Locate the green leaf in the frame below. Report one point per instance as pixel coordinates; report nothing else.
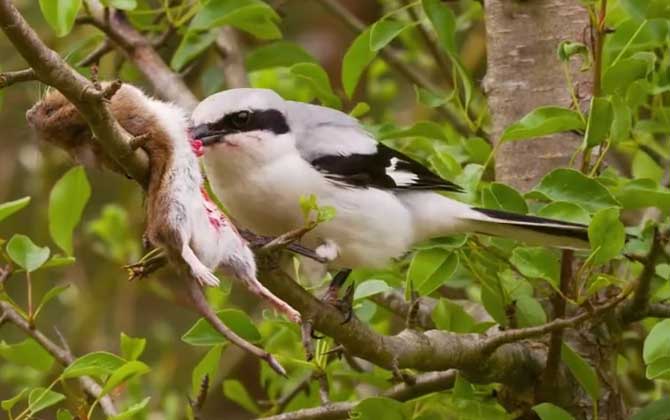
(621, 75)
(277, 54)
(431, 268)
(207, 366)
(64, 414)
(66, 205)
(654, 411)
(565, 211)
(599, 122)
(444, 23)
(646, 9)
(27, 353)
(543, 121)
(132, 348)
(11, 207)
(384, 31)
(641, 193)
(360, 109)
(98, 364)
(606, 235)
(236, 392)
(644, 166)
(537, 262)
(132, 410)
(622, 120)
(529, 312)
(48, 296)
(60, 14)
(8, 404)
(356, 59)
(59, 261)
(567, 49)
(573, 186)
(502, 197)
(450, 316)
(657, 345)
(318, 79)
(659, 369)
(584, 373)
(42, 398)
(548, 411)
(203, 334)
(26, 254)
(192, 44)
(253, 16)
(124, 373)
(376, 408)
(371, 287)
(121, 4)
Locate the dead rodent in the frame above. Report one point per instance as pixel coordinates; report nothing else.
(58, 122)
(180, 217)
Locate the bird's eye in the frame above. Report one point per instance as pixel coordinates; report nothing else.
(241, 119)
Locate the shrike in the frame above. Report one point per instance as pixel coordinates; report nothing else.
(264, 153)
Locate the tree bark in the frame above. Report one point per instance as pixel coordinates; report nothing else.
(524, 72)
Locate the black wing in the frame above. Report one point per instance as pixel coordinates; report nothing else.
(385, 169)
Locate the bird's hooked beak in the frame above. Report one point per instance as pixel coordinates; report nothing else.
(207, 136)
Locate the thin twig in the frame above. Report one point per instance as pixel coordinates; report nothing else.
(394, 59)
(425, 384)
(11, 77)
(493, 342)
(556, 339)
(62, 355)
(94, 57)
(636, 309)
(203, 308)
(439, 58)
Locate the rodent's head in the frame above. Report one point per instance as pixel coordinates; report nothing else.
(57, 121)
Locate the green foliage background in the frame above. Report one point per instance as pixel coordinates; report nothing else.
(79, 227)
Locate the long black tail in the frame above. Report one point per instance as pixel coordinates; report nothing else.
(530, 229)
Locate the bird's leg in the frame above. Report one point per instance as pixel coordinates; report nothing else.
(343, 304)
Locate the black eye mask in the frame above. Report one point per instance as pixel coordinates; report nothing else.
(239, 122)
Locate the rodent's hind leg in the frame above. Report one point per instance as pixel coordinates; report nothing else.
(200, 272)
(258, 289)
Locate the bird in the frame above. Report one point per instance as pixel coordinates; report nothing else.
(263, 153)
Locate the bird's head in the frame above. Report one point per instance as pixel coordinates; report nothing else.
(243, 124)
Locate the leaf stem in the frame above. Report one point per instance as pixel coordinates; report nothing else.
(31, 314)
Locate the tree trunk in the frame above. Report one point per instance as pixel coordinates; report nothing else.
(524, 73)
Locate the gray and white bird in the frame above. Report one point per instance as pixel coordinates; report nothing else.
(264, 153)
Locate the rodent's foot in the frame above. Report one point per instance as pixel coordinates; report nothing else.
(206, 278)
(293, 315)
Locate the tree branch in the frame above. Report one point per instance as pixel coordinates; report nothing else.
(395, 302)
(425, 384)
(228, 47)
(637, 308)
(50, 68)
(62, 355)
(9, 78)
(140, 50)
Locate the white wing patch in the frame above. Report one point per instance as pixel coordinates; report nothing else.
(400, 177)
